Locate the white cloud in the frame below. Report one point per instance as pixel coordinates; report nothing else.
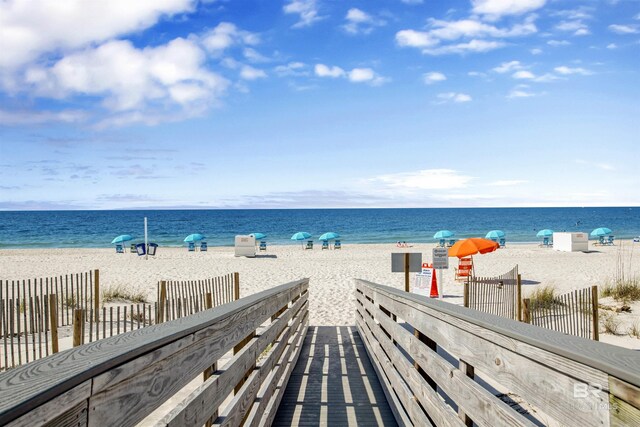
(433, 77)
(520, 93)
(225, 35)
(18, 118)
(356, 75)
(360, 22)
(439, 33)
(412, 1)
(564, 70)
(507, 67)
(508, 183)
(454, 97)
(249, 73)
(28, 29)
(428, 179)
(556, 43)
(523, 75)
(307, 11)
(292, 69)
(624, 29)
(499, 8)
(577, 27)
(254, 56)
(535, 51)
(133, 79)
(322, 70)
(602, 166)
(461, 48)
(612, 46)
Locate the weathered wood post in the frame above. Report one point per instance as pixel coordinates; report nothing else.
(526, 315)
(53, 322)
(162, 303)
(236, 286)
(96, 295)
(406, 272)
(78, 323)
(469, 371)
(466, 294)
(595, 315)
(519, 298)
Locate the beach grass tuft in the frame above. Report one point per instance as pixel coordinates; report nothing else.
(634, 331)
(543, 297)
(119, 293)
(611, 324)
(625, 290)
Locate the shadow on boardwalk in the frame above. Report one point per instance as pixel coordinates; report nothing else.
(334, 383)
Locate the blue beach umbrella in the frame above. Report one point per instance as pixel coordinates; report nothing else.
(495, 234)
(301, 235)
(122, 238)
(194, 237)
(258, 236)
(545, 233)
(443, 234)
(329, 236)
(602, 231)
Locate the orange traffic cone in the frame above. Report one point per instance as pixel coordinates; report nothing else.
(434, 285)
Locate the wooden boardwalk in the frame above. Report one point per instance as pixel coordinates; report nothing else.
(334, 383)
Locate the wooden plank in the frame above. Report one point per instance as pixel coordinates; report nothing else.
(508, 364)
(30, 387)
(476, 402)
(624, 391)
(56, 407)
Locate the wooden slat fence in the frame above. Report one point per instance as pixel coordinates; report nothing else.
(114, 320)
(184, 298)
(447, 365)
(573, 313)
(496, 295)
(29, 308)
(121, 380)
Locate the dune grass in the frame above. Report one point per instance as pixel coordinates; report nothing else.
(543, 297)
(624, 290)
(611, 324)
(119, 293)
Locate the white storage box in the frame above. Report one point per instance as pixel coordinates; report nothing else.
(571, 242)
(246, 246)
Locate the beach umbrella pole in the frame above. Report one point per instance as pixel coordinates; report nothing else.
(146, 245)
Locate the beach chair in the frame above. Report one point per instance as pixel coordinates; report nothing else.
(337, 244)
(152, 248)
(192, 247)
(325, 245)
(203, 246)
(610, 240)
(441, 243)
(600, 241)
(464, 270)
(545, 242)
(263, 245)
(451, 243)
(132, 248)
(503, 242)
(119, 249)
(309, 244)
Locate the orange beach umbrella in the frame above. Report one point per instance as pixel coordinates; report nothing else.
(466, 247)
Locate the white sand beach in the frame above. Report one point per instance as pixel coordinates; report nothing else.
(331, 272)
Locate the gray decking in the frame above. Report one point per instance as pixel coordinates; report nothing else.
(334, 383)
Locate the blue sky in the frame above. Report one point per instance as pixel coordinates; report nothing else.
(319, 103)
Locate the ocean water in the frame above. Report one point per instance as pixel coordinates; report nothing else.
(63, 229)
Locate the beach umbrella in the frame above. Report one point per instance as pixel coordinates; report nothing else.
(602, 231)
(443, 234)
(472, 246)
(495, 234)
(193, 237)
(122, 238)
(329, 236)
(301, 235)
(545, 233)
(258, 236)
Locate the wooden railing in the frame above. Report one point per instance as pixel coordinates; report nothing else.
(445, 365)
(122, 379)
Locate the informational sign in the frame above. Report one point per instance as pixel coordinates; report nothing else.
(422, 284)
(440, 258)
(398, 262)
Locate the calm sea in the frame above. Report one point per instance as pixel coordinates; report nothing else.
(46, 229)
